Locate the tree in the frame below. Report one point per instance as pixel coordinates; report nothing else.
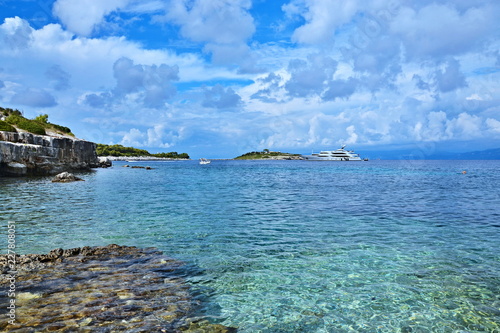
(43, 118)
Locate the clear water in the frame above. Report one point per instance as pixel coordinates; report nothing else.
(294, 246)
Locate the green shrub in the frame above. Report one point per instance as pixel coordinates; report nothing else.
(4, 126)
(60, 128)
(31, 126)
(14, 119)
(43, 119)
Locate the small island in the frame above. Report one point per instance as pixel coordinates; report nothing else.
(266, 154)
(119, 152)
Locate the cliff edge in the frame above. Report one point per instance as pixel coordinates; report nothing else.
(30, 154)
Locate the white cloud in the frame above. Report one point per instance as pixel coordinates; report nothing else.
(323, 18)
(440, 30)
(223, 26)
(16, 33)
(157, 136)
(134, 138)
(81, 16)
(213, 21)
(493, 125)
(310, 77)
(221, 98)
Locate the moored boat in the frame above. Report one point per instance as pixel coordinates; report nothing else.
(334, 155)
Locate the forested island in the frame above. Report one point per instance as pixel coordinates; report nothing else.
(267, 154)
(121, 151)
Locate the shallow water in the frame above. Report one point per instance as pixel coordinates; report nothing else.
(294, 246)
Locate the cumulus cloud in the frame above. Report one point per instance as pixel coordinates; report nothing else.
(451, 78)
(157, 136)
(440, 30)
(213, 21)
(223, 26)
(16, 33)
(99, 100)
(438, 127)
(420, 83)
(34, 97)
(59, 77)
(149, 85)
(340, 89)
(154, 82)
(81, 16)
(221, 98)
(322, 18)
(310, 77)
(270, 89)
(493, 125)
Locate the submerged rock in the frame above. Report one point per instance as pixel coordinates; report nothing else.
(100, 289)
(65, 177)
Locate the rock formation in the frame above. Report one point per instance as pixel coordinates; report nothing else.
(99, 289)
(104, 162)
(65, 177)
(29, 154)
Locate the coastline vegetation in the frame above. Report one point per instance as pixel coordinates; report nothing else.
(266, 153)
(119, 150)
(14, 119)
(6, 127)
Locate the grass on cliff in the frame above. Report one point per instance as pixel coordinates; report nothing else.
(6, 127)
(40, 125)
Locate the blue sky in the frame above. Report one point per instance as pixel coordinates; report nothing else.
(218, 78)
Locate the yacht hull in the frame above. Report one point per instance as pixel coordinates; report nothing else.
(319, 158)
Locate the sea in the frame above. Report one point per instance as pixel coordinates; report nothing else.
(293, 246)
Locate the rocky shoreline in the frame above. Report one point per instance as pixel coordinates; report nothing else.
(24, 154)
(98, 289)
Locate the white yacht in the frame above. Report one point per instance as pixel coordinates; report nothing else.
(334, 155)
(204, 161)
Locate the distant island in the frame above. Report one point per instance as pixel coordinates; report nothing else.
(267, 154)
(121, 151)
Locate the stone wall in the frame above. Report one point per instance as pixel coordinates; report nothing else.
(29, 154)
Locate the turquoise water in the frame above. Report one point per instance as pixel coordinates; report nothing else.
(294, 246)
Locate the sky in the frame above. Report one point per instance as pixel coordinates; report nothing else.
(219, 78)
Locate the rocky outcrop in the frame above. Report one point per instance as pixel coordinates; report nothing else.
(104, 162)
(65, 177)
(29, 154)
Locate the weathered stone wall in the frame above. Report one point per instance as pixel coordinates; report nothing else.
(29, 154)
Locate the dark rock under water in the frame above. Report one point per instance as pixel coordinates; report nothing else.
(99, 289)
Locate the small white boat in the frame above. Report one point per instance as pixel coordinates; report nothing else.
(204, 161)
